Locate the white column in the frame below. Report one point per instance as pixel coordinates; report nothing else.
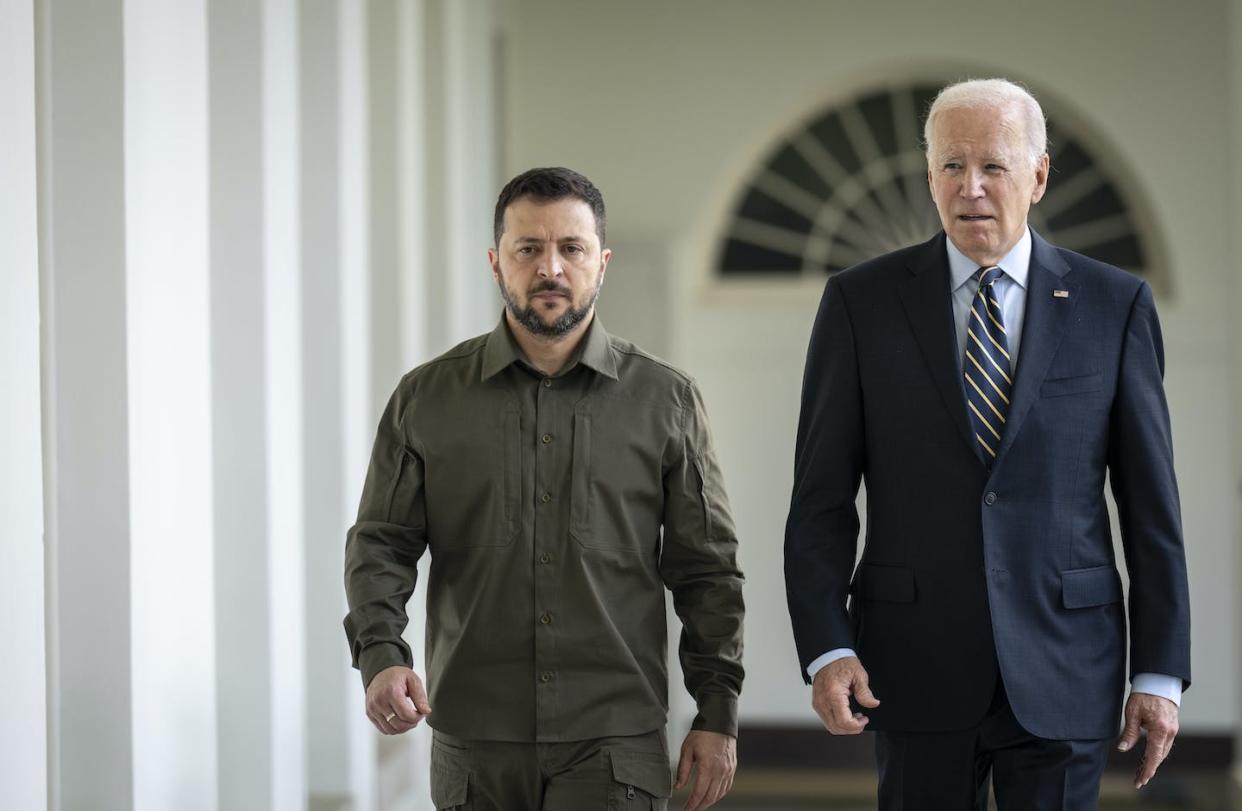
(413, 233)
(434, 166)
(243, 663)
(86, 455)
(341, 758)
(283, 397)
(260, 671)
(384, 183)
(470, 157)
(23, 720)
(358, 417)
(170, 405)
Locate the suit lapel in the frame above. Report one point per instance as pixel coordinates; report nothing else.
(1042, 330)
(925, 294)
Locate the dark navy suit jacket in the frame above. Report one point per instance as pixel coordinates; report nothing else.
(967, 573)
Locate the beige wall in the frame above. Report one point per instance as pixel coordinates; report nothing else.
(667, 105)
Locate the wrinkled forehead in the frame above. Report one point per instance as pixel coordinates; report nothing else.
(976, 129)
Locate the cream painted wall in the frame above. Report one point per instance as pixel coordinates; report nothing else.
(667, 105)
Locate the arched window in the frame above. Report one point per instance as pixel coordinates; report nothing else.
(849, 183)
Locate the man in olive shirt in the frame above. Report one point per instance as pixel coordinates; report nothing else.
(539, 464)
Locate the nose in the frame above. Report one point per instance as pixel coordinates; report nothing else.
(972, 184)
(553, 266)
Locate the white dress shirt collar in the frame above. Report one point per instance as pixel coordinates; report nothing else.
(1016, 263)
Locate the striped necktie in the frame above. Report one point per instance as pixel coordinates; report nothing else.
(989, 380)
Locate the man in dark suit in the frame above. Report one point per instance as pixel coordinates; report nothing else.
(982, 384)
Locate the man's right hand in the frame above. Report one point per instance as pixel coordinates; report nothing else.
(830, 695)
(396, 700)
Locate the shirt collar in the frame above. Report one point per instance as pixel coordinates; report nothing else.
(1016, 263)
(594, 351)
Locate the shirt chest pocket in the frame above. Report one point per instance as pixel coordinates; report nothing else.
(474, 483)
(616, 492)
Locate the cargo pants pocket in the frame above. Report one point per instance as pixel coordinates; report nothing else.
(450, 789)
(641, 782)
(450, 778)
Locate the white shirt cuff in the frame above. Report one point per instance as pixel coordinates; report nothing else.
(1158, 684)
(828, 658)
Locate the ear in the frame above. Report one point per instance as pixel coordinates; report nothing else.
(604, 256)
(1041, 178)
(493, 258)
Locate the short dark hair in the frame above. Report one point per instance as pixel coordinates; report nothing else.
(546, 185)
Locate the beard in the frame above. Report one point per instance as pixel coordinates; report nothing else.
(533, 323)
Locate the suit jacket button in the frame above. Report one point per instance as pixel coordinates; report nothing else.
(989, 499)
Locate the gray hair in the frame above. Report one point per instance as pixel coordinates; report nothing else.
(992, 93)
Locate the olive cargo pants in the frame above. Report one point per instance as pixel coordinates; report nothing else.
(628, 773)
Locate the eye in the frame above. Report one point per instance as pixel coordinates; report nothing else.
(526, 250)
(994, 167)
(575, 249)
(952, 166)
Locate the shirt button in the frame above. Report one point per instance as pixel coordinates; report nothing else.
(545, 498)
(545, 558)
(546, 619)
(545, 677)
(546, 438)
(989, 499)
(547, 382)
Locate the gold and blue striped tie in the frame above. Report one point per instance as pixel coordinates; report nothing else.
(987, 367)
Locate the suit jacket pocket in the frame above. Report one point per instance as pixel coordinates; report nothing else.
(1078, 384)
(1083, 588)
(889, 584)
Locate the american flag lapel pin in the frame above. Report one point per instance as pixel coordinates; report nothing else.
(1060, 294)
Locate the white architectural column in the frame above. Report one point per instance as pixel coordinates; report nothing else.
(384, 184)
(23, 719)
(412, 193)
(358, 417)
(244, 678)
(342, 752)
(260, 672)
(283, 363)
(86, 446)
(471, 180)
(435, 176)
(170, 405)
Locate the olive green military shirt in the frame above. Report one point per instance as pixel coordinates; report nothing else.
(542, 501)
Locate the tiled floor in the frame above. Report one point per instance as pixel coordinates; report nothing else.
(855, 791)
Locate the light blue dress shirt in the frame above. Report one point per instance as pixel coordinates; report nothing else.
(1011, 293)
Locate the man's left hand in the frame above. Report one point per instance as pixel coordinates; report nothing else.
(1159, 717)
(715, 754)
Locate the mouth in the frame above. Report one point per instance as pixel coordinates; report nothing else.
(975, 217)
